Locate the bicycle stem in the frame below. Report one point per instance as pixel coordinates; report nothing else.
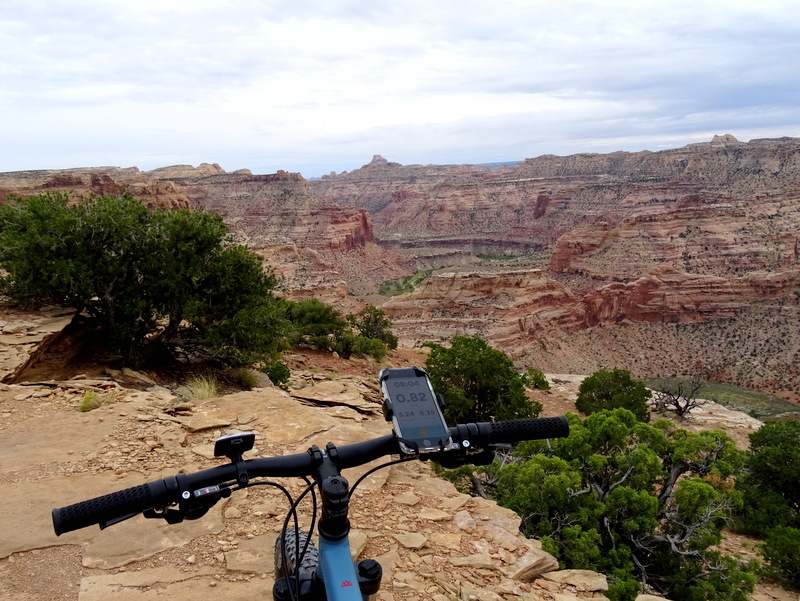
(334, 490)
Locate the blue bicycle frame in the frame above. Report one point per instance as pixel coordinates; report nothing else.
(338, 571)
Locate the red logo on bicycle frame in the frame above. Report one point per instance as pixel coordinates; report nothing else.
(346, 583)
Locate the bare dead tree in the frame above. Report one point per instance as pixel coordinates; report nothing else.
(678, 397)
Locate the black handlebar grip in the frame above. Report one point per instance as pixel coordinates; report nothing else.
(516, 430)
(110, 507)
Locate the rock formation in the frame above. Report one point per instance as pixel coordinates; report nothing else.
(738, 329)
(710, 208)
(94, 180)
(526, 305)
(313, 244)
(694, 241)
(705, 235)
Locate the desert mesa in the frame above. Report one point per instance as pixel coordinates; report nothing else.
(663, 263)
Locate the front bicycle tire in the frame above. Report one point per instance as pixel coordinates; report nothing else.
(293, 580)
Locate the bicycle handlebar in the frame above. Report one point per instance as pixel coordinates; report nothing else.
(171, 490)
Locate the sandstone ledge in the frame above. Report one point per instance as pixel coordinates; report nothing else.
(431, 540)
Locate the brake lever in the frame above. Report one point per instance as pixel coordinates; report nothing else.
(171, 516)
(107, 523)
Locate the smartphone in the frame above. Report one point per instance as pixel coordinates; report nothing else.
(410, 403)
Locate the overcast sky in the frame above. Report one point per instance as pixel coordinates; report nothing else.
(322, 85)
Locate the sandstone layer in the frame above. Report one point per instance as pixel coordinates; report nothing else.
(721, 208)
(739, 330)
(96, 180)
(704, 237)
(316, 246)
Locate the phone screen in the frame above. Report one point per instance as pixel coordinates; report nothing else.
(416, 413)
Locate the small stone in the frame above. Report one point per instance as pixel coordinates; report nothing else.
(464, 520)
(582, 580)
(475, 561)
(407, 498)
(532, 565)
(202, 423)
(434, 515)
(411, 540)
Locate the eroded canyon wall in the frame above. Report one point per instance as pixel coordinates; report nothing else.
(95, 180)
(316, 247)
(741, 330)
(610, 254)
(723, 207)
(699, 241)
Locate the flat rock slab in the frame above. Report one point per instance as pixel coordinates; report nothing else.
(255, 555)
(134, 540)
(279, 418)
(31, 442)
(186, 587)
(25, 518)
(200, 423)
(338, 392)
(582, 580)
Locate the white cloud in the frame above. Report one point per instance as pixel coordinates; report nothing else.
(318, 85)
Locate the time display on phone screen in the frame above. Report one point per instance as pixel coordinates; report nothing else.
(415, 408)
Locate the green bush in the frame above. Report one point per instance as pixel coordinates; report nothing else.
(321, 326)
(372, 322)
(343, 343)
(315, 323)
(770, 490)
(534, 378)
(782, 550)
(637, 502)
(143, 277)
(612, 389)
(369, 346)
(278, 373)
(478, 382)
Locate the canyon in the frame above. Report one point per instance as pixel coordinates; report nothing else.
(682, 261)
(658, 262)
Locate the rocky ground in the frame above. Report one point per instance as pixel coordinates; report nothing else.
(433, 542)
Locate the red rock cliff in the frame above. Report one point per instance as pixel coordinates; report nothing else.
(280, 207)
(95, 180)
